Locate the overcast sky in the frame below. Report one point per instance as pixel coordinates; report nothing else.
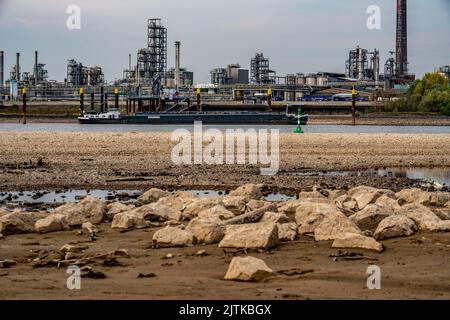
(297, 35)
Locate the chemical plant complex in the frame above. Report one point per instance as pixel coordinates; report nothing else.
(150, 75)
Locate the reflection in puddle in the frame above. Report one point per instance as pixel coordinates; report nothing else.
(439, 175)
(125, 196)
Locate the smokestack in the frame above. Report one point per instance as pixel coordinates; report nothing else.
(18, 66)
(376, 65)
(36, 69)
(402, 39)
(129, 62)
(1, 74)
(177, 64)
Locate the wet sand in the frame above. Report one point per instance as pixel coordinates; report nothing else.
(114, 161)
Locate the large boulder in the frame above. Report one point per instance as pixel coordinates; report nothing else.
(443, 213)
(334, 226)
(422, 216)
(256, 204)
(20, 222)
(218, 212)
(152, 195)
(289, 207)
(364, 195)
(53, 222)
(249, 191)
(89, 209)
(173, 237)
(346, 204)
(237, 205)
(310, 214)
(247, 269)
(128, 220)
(158, 212)
(388, 203)
(206, 231)
(3, 212)
(312, 195)
(252, 216)
(287, 231)
(116, 207)
(275, 217)
(141, 216)
(425, 198)
(370, 217)
(193, 209)
(178, 201)
(263, 235)
(396, 225)
(352, 240)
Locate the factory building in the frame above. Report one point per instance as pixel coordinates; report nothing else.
(232, 74)
(363, 65)
(80, 75)
(260, 70)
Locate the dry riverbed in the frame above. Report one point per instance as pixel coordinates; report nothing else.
(44, 160)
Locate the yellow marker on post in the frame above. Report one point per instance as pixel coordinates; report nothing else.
(81, 91)
(269, 92)
(354, 91)
(199, 90)
(24, 90)
(116, 91)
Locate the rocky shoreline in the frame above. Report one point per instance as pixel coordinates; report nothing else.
(362, 218)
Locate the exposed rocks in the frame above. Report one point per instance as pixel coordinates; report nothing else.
(370, 217)
(4, 264)
(346, 204)
(256, 204)
(128, 219)
(261, 235)
(116, 207)
(218, 212)
(352, 240)
(422, 216)
(237, 205)
(193, 209)
(425, 198)
(252, 216)
(20, 222)
(152, 195)
(334, 226)
(158, 212)
(206, 231)
(443, 213)
(90, 228)
(173, 237)
(247, 269)
(287, 231)
(366, 195)
(388, 203)
(289, 207)
(53, 222)
(275, 217)
(89, 209)
(178, 201)
(310, 214)
(396, 225)
(249, 191)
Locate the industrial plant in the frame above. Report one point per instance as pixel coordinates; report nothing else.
(147, 74)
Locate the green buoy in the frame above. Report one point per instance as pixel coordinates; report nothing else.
(299, 127)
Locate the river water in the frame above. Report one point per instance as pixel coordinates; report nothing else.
(75, 127)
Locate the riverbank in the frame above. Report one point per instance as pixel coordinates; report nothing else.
(136, 160)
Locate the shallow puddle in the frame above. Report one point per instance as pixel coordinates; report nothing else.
(438, 175)
(57, 197)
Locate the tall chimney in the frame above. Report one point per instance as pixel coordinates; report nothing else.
(36, 81)
(177, 64)
(1, 74)
(401, 50)
(18, 66)
(129, 62)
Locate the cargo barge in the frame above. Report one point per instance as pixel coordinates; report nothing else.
(206, 117)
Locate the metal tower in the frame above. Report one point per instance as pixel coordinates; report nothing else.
(401, 58)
